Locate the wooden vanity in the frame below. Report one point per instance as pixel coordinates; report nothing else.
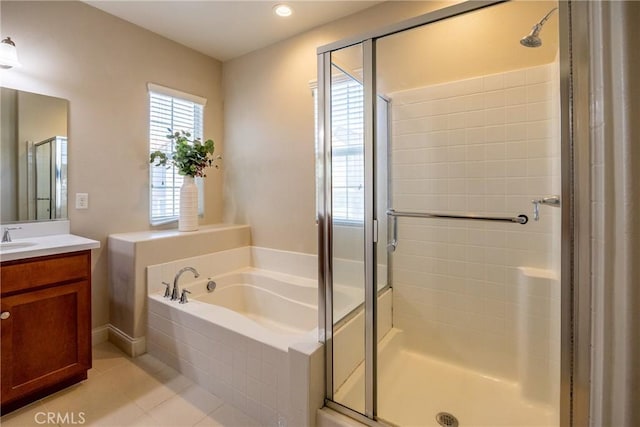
(45, 325)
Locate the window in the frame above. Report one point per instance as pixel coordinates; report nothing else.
(170, 109)
(347, 113)
(347, 159)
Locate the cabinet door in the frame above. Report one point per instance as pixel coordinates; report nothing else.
(46, 338)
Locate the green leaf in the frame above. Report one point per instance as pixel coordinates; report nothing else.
(191, 156)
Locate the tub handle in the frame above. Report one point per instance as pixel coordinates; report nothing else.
(167, 291)
(211, 286)
(183, 297)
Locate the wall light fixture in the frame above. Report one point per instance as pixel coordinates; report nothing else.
(8, 54)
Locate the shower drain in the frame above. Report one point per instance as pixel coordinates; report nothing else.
(445, 419)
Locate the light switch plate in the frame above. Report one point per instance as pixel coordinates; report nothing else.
(82, 200)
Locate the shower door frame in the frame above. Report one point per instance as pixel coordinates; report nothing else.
(575, 301)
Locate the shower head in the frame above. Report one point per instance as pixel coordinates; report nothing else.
(533, 38)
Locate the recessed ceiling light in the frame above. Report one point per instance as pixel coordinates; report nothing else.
(282, 10)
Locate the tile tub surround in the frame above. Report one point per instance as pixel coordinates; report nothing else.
(274, 378)
(256, 264)
(129, 254)
(486, 145)
(273, 385)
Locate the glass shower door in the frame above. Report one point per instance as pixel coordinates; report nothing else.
(50, 178)
(442, 227)
(358, 202)
(476, 299)
(43, 181)
(348, 227)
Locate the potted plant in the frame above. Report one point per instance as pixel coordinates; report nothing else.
(190, 157)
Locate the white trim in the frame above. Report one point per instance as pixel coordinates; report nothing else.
(99, 335)
(133, 347)
(338, 77)
(313, 85)
(152, 87)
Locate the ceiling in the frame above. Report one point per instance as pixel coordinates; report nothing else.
(227, 29)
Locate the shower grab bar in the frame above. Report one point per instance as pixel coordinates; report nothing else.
(393, 244)
(520, 219)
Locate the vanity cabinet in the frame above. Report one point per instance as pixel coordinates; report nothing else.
(45, 325)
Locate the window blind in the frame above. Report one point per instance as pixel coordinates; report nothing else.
(347, 114)
(169, 112)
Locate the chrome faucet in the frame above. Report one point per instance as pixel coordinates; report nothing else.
(167, 290)
(175, 292)
(183, 298)
(6, 236)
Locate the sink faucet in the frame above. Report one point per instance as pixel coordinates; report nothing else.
(174, 294)
(6, 236)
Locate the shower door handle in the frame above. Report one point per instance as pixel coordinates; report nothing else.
(375, 231)
(393, 244)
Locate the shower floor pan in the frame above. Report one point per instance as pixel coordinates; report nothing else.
(413, 389)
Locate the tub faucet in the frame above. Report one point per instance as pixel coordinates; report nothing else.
(174, 294)
(183, 298)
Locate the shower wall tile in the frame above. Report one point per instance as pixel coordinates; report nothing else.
(486, 146)
(493, 82)
(515, 78)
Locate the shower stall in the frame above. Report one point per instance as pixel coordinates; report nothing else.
(47, 170)
(441, 182)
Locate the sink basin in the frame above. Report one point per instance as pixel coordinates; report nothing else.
(15, 245)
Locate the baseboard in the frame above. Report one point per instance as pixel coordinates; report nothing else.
(99, 334)
(133, 347)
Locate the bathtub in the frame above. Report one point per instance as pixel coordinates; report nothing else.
(282, 304)
(275, 308)
(272, 308)
(253, 341)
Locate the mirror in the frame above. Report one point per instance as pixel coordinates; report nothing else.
(33, 157)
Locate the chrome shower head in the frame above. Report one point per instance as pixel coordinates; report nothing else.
(533, 38)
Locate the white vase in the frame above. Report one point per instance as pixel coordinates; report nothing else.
(188, 220)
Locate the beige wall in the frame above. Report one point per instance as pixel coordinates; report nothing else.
(102, 64)
(269, 130)
(40, 117)
(483, 42)
(8, 154)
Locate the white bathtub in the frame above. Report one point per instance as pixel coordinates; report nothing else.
(272, 308)
(246, 342)
(253, 341)
(280, 303)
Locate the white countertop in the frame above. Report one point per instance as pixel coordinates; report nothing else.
(31, 247)
(142, 236)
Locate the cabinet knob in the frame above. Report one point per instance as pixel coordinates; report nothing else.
(5, 315)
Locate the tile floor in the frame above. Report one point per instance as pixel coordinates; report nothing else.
(123, 392)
